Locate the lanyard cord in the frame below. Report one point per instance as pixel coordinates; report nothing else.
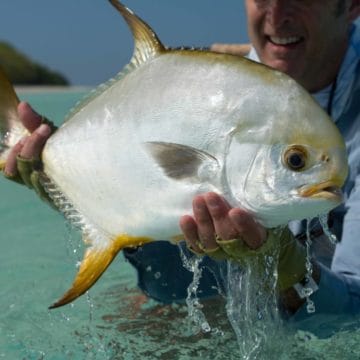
(329, 106)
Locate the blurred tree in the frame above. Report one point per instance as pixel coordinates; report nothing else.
(22, 71)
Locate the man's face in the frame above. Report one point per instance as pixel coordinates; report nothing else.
(304, 38)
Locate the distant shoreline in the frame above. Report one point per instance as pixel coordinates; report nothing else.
(50, 89)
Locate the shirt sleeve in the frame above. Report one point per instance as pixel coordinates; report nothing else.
(344, 292)
(346, 259)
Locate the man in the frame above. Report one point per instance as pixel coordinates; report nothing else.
(315, 42)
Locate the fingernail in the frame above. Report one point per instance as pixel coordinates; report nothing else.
(43, 130)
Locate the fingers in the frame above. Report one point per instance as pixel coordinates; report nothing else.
(199, 231)
(29, 147)
(234, 49)
(210, 218)
(253, 234)
(204, 221)
(34, 143)
(233, 223)
(189, 228)
(29, 118)
(218, 210)
(213, 215)
(11, 166)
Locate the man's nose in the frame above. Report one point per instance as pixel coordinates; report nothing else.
(278, 12)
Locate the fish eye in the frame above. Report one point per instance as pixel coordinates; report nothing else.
(295, 158)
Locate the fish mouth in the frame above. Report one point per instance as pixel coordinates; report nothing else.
(327, 190)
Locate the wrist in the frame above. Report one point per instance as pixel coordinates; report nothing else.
(292, 261)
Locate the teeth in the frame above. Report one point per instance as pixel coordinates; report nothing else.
(284, 41)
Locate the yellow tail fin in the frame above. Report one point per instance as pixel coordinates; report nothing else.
(96, 261)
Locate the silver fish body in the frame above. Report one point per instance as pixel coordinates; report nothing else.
(202, 101)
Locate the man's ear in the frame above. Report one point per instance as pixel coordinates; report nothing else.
(354, 10)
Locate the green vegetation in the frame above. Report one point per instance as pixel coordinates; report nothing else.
(23, 71)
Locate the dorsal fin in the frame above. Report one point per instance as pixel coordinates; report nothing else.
(147, 44)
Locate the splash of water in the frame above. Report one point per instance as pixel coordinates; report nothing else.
(251, 306)
(323, 220)
(74, 249)
(252, 303)
(310, 305)
(194, 306)
(307, 291)
(251, 297)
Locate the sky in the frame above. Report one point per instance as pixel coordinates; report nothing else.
(89, 42)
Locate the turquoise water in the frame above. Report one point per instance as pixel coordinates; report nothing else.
(115, 321)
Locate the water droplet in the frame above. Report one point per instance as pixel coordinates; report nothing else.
(310, 305)
(323, 219)
(205, 327)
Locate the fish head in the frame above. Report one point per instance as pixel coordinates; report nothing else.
(288, 173)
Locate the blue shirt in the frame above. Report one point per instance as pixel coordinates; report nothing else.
(161, 273)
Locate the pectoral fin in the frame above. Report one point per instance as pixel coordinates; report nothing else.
(182, 162)
(96, 261)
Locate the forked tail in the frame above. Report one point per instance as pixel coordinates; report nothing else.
(96, 260)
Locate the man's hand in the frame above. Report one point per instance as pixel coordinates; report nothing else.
(214, 216)
(233, 49)
(23, 164)
(31, 146)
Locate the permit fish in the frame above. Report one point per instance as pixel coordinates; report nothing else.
(127, 162)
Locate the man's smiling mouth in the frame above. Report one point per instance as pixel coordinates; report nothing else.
(290, 40)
